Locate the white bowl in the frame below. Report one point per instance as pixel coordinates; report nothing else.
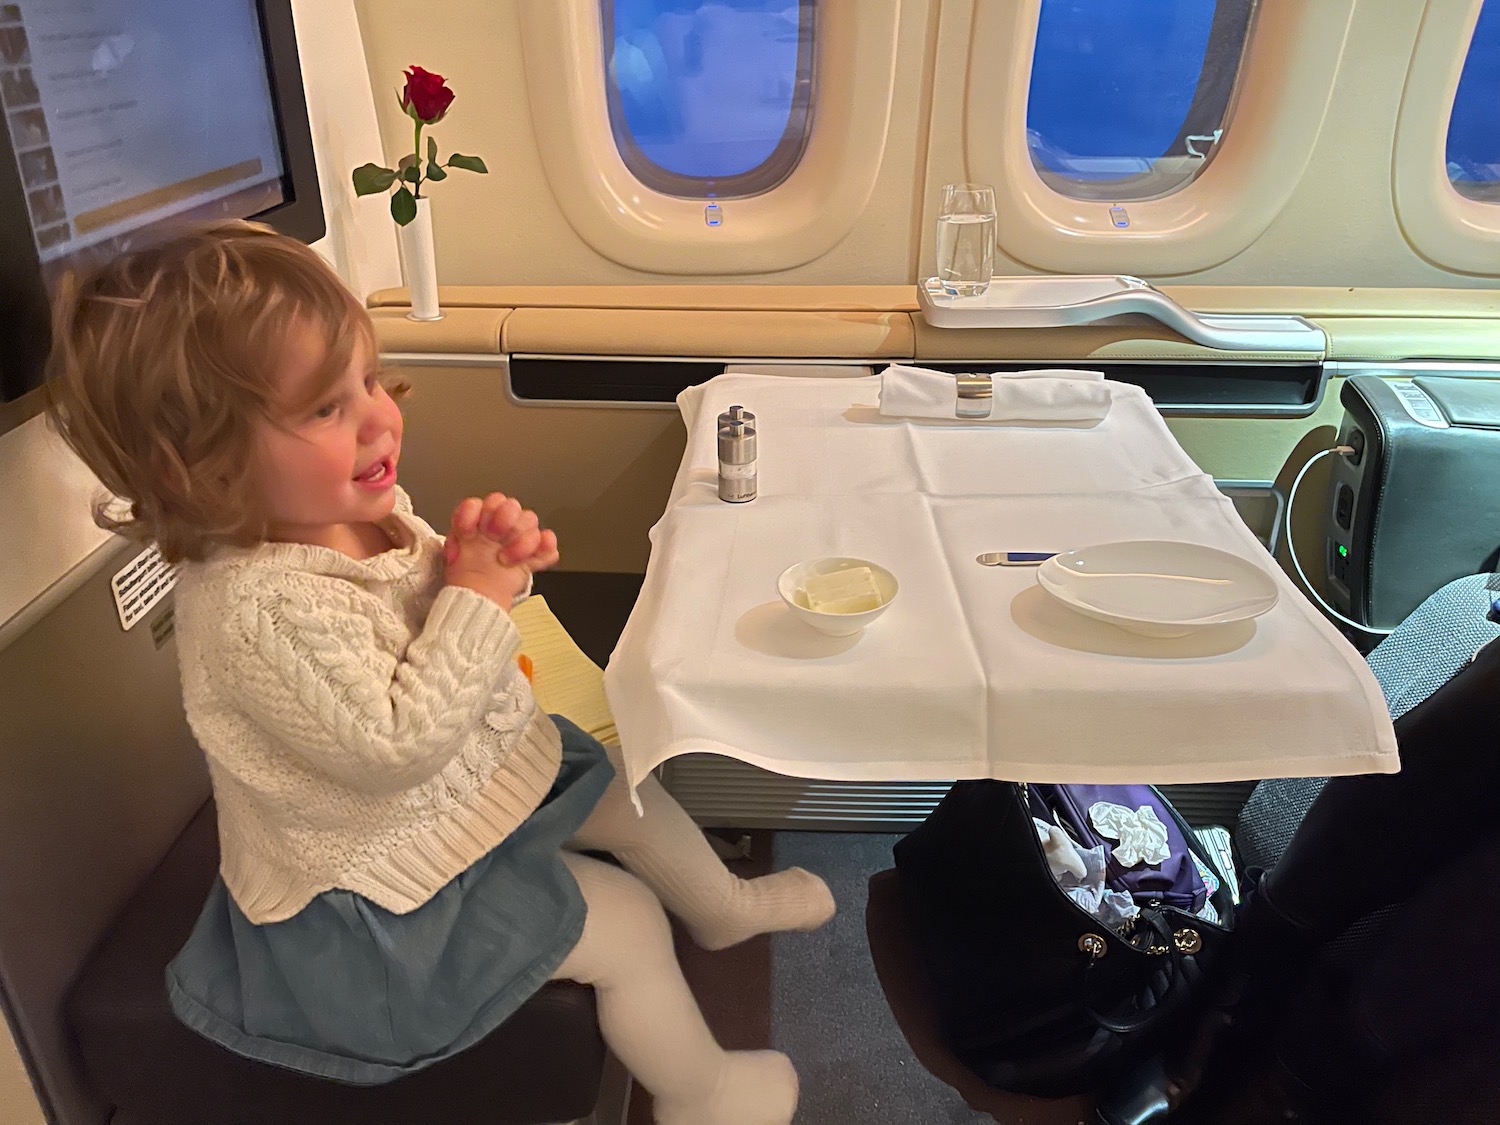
(1158, 588)
(794, 578)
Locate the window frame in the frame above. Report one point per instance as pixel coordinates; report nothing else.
(804, 217)
(766, 176)
(1282, 95)
(1439, 222)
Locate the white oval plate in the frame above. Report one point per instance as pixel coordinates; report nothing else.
(1157, 587)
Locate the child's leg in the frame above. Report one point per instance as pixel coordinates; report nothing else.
(671, 856)
(650, 1019)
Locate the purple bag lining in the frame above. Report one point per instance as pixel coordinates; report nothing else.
(1174, 882)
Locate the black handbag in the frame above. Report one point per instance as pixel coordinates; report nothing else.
(1032, 993)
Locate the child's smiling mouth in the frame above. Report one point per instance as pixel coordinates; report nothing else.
(379, 475)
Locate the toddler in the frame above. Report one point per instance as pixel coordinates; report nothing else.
(400, 825)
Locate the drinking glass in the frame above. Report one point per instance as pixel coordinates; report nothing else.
(966, 239)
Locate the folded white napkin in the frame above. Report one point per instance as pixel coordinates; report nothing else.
(1043, 395)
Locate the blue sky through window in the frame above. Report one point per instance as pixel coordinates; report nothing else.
(706, 87)
(1474, 128)
(1112, 81)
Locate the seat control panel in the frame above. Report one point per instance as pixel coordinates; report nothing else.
(1418, 403)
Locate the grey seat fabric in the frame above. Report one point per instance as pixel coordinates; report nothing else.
(1438, 638)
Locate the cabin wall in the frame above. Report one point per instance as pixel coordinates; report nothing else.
(45, 500)
(507, 228)
(1338, 228)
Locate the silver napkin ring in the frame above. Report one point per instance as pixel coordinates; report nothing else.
(974, 394)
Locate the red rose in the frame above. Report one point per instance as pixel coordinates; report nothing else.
(426, 97)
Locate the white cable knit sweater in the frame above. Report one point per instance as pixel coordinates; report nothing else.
(366, 727)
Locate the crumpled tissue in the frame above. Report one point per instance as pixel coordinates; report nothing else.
(1143, 838)
(1080, 874)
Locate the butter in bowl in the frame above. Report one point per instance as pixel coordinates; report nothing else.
(837, 595)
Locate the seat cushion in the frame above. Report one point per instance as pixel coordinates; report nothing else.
(564, 680)
(543, 1065)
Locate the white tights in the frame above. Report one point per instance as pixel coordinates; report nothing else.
(646, 1012)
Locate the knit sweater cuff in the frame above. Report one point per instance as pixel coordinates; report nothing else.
(473, 623)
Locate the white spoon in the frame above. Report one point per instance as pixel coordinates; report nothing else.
(1036, 558)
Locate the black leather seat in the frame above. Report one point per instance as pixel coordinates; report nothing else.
(1430, 645)
(544, 1065)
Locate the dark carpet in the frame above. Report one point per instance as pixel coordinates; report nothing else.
(817, 997)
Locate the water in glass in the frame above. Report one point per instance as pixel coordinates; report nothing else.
(966, 239)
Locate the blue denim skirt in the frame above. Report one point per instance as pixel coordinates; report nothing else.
(346, 990)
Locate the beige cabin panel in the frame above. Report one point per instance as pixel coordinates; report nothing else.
(1415, 324)
(98, 775)
(648, 332)
(1338, 225)
(512, 226)
(1283, 88)
(1302, 300)
(813, 208)
(599, 477)
(461, 330)
(1251, 449)
(1337, 300)
(1103, 342)
(50, 492)
(778, 298)
(880, 322)
(1443, 225)
(1391, 338)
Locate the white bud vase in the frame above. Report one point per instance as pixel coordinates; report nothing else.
(421, 264)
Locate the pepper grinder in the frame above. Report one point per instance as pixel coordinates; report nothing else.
(737, 455)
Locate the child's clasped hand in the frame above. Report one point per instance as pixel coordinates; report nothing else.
(494, 545)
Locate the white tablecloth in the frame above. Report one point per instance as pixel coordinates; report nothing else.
(973, 671)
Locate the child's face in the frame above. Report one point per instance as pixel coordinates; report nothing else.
(325, 470)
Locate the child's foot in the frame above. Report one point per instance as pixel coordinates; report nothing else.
(754, 1088)
(793, 899)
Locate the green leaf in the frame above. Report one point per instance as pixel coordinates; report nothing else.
(467, 163)
(432, 150)
(411, 174)
(407, 161)
(435, 171)
(370, 178)
(403, 207)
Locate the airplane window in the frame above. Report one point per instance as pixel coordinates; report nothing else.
(709, 99)
(1474, 129)
(1129, 101)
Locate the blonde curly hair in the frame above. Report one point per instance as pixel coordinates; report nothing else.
(163, 359)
